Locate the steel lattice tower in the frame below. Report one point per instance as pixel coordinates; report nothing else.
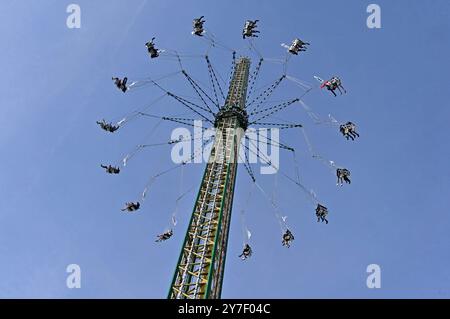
(200, 268)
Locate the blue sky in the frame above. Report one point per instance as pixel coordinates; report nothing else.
(58, 207)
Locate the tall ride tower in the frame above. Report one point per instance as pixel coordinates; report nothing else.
(200, 268)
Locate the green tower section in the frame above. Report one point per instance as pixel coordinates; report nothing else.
(200, 268)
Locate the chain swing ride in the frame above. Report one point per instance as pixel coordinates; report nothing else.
(200, 267)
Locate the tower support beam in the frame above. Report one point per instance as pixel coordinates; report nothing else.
(200, 268)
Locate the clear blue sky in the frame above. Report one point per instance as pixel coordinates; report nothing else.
(58, 207)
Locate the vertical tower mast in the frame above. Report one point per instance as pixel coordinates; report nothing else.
(201, 264)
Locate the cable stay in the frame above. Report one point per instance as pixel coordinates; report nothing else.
(273, 109)
(247, 166)
(130, 155)
(331, 121)
(168, 232)
(310, 113)
(154, 177)
(265, 94)
(217, 73)
(190, 105)
(276, 209)
(179, 61)
(273, 199)
(182, 121)
(262, 88)
(175, 211)
(308, 110)
(139, 147)
(252, 46)
(146, 81)
(201, 86)
(176, 59)
(173, 219)
(281, 126)
(209, 37)
(183, 101)
(254, 77)
(212, 38)
(176, 54)
(296, 166)
(214, 88)
(125, 119)
(190, 97)
(196, 88)
(214, 81)
(285, 65)
(311, 195)
(186, 102)
(273, 143)
(319, 79)
(283, 62)
(150, 115)
(171, 142)
(328, 163)
(175, 119)
(246, 234)
(270, 103)
(285, 147)
(305, 86)
(275, 60)
(233, 66)
(206, 38)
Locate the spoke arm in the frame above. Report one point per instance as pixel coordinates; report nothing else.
(274, 143)
(175, 119)
(266, 93)
(198, 89)
(182, 121)
(248, 167)
(214, 81)
(233, 65)
(187, 104)
(254, 77)
(281, 126)
(273, 109)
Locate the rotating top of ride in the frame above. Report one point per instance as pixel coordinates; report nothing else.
(235, 101)
(232, 111)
